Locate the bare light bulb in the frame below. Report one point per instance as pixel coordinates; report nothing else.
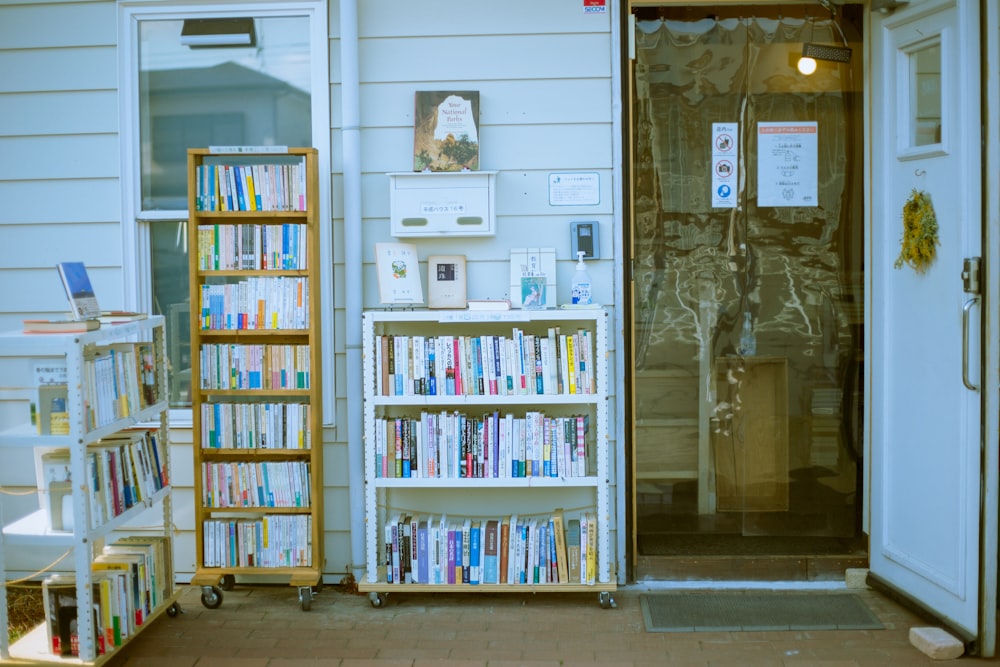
(806, 65)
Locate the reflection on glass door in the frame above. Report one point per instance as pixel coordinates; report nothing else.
(747, 300)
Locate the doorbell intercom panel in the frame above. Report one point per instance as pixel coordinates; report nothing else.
(583, 236)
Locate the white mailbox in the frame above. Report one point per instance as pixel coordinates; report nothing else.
(442, 203)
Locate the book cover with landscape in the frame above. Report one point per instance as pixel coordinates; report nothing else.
(446, 131)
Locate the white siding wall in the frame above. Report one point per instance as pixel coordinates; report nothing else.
(544, 72)
(59, 180)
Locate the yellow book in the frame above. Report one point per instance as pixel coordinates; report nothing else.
(562, 566)
(571, 363)
(591, 561)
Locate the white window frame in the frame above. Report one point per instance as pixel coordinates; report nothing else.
(135, 222)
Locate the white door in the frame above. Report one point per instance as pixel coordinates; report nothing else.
(925, 401)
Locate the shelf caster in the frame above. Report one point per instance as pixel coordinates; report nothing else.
(211, 597)
(377, 599)
(606, 601)
(173, 610)
(228, 582)
(305, 597)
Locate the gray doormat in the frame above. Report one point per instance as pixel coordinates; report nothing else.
(687, 611)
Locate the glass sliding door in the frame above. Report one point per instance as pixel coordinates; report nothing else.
(747, 303)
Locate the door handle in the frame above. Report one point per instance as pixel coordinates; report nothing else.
(965, 343)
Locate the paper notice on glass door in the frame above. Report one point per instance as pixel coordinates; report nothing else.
(787, 164)
(725, 158)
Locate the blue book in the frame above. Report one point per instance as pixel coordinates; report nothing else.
(475, 568)
(423, 573)
(450, 563)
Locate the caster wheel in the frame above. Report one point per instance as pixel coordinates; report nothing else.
(228, 582)
(211, 597)
(606, 601)
(173, 610)
(377, 599)
(305, 598)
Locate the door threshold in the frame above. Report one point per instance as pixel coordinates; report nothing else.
(801, 568)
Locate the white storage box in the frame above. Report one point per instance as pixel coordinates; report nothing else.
(454, 203)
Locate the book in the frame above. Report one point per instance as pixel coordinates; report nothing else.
(491, 562)
(503, 549)
(446, 281)
(446, 130)
(120, 316)
(56, 489)
(82, 298)
(573, 550)
(59, 326)
(398, 273)
(60, 605)
(533, 277)
(475, 553)
(560, 540)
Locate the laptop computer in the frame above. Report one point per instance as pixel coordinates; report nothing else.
(82, 299)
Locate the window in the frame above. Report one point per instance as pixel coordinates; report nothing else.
(268, 91)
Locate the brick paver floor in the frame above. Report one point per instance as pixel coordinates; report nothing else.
(264, 626)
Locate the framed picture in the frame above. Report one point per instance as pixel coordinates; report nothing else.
(398, 273)
(538, 265)
(446, 283)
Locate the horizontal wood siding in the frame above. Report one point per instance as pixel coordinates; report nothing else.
(544, 74)
(59, 179)
(543, 70)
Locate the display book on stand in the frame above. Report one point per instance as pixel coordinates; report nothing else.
(486, 452)
(101, 462)
(254, 235)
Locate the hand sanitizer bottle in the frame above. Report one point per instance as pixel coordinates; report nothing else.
(581, 292)
(748, 340)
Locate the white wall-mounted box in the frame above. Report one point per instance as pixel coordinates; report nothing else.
(442, 203)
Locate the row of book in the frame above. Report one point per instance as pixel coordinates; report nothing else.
(252, 247)
(425, 549)
(454, 445)
(524, 363)
(283, 540)
(256, 426)
(123, 471)
(130, 579)
(255, 484)
(258, 302)
(119, 381)
(238, 366)
(251, 187)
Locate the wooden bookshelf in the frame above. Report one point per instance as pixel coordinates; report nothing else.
(256, 369)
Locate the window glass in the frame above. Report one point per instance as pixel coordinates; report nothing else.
(925, 96)
(256, 94)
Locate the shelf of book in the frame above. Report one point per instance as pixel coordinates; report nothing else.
(93, 407)
(475, 421)
(256, 366)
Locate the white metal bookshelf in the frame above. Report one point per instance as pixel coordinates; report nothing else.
(18, 351)
(487, 497)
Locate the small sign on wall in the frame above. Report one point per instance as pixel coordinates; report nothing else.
(787, 159)
(575, 188)
(725, 164)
